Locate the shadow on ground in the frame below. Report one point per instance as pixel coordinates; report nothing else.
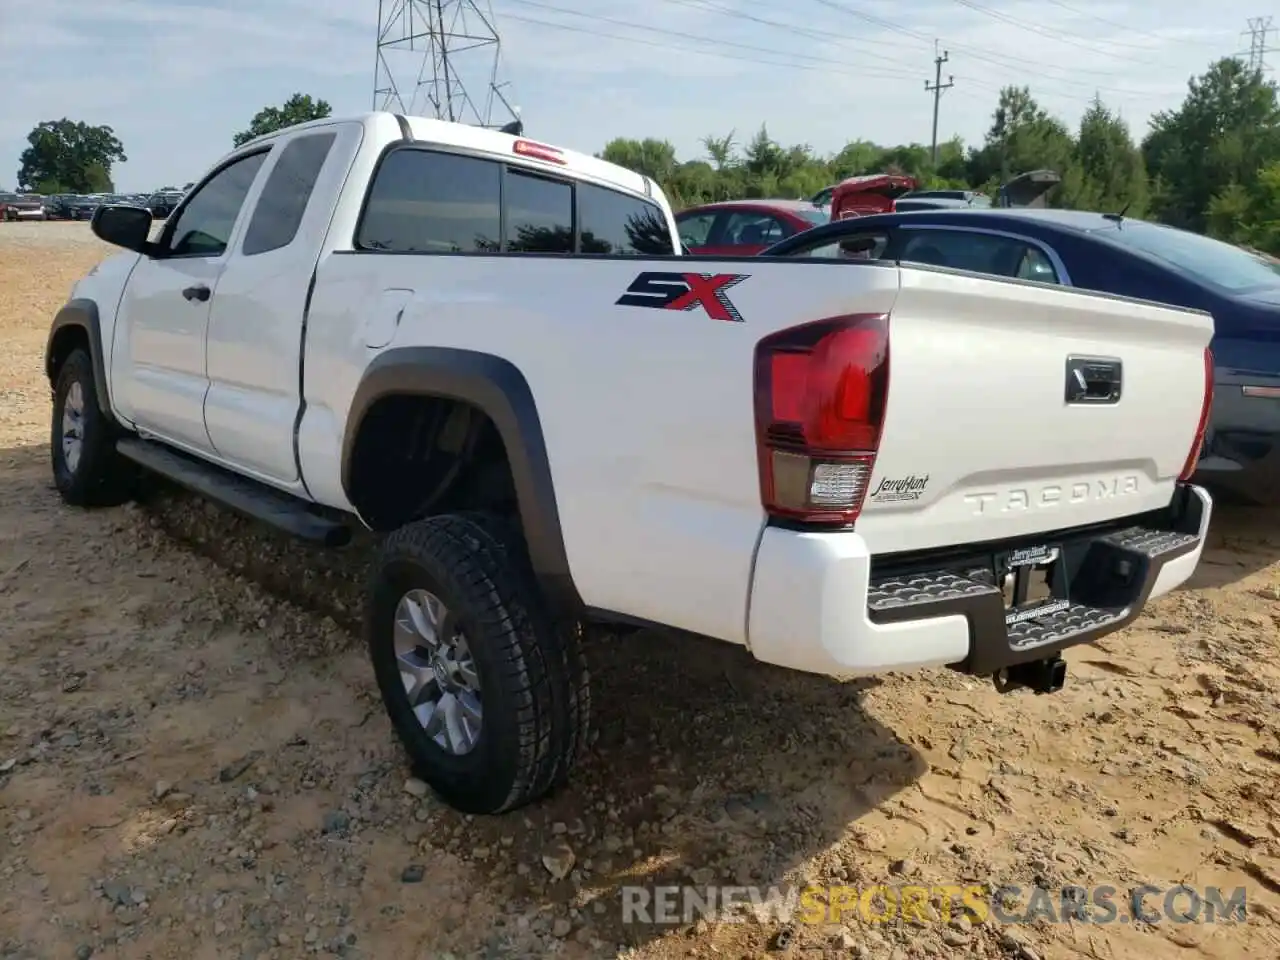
(1242, 541)
(706, 769)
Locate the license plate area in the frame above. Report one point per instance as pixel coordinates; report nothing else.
(1033, 581)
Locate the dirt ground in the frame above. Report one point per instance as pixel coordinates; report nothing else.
(194, 763)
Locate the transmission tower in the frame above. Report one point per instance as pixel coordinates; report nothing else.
(440, 58)
(1259, 30)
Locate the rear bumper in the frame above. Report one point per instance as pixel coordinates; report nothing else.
(820, 603)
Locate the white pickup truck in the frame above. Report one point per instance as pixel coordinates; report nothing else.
(490, 349)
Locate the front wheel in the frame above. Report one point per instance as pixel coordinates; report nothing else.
(487, 693)
(87, 470)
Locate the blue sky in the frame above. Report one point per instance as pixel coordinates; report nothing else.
(176, 78)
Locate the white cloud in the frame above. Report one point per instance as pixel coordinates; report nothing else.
(176, 78)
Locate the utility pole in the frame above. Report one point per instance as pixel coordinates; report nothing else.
(936, 89)
(1259, 29)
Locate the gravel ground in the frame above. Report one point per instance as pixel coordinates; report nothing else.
(194, 763)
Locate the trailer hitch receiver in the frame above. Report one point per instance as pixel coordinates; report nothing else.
(1043, 676)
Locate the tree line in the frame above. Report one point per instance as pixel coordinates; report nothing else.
(66, 156)
(1212, 165)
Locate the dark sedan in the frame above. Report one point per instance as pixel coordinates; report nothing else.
(1131, 258)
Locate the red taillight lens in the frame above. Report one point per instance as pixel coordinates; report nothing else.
(820, 394)
(1206, 406)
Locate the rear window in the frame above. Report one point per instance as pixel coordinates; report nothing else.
(1212, 262)
(814, 216)
(427, 201)
(539, 214)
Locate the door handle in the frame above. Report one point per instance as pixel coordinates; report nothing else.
(201, 293)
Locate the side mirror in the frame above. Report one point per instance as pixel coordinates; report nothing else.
(128, 227)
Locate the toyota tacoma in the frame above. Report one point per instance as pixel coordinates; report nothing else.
(490, 350)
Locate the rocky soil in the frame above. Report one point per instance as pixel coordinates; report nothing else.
(194, 763)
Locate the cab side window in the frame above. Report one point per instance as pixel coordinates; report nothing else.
(286, 193)
(612, 222)
(203, 227)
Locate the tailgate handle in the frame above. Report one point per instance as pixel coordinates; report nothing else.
(1093, 380)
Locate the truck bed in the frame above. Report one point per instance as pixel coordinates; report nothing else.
(646, 399)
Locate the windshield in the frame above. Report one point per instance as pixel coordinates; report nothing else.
(815, 216)
(1210, 261)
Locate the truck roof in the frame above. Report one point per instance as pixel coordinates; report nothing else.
(447, 133)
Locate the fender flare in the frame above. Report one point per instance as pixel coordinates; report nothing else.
(82, 314)
(497, 388)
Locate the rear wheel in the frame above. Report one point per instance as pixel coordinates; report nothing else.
(87, 470)
(488, 695)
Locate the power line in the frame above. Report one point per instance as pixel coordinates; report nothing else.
(1005, 61)
(1084, 14)
(936, 89)
(979, 54)
(715, 46)
(682, 35)
(1061, 36)
(712, 52)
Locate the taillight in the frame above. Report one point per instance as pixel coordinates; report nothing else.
(820, 392)
(1206, 405)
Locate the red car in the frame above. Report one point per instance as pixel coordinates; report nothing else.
(742, 228)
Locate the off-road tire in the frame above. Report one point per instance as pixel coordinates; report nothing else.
(534, 681)
(101, 478)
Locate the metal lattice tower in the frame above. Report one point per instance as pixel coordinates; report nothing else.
(440, 58)
(1259, 29)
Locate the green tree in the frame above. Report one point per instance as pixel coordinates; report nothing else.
(651, 157)
(1212, 165)
(1112, 174)
(299, 108)
(1023, 137)
(66, 156)
(1227, 129)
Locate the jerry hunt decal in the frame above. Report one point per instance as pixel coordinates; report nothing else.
(685, 291)
(897, 489)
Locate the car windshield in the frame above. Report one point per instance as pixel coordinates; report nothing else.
(1210, 261)
(814, 216)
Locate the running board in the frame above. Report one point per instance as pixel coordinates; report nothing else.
(247, 497)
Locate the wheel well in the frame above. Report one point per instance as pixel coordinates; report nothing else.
(65, 340)
(420, 455)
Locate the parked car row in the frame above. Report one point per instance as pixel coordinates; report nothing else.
(68, 206)
(744, 228)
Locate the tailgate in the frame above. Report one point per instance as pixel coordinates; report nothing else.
(981, 441)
